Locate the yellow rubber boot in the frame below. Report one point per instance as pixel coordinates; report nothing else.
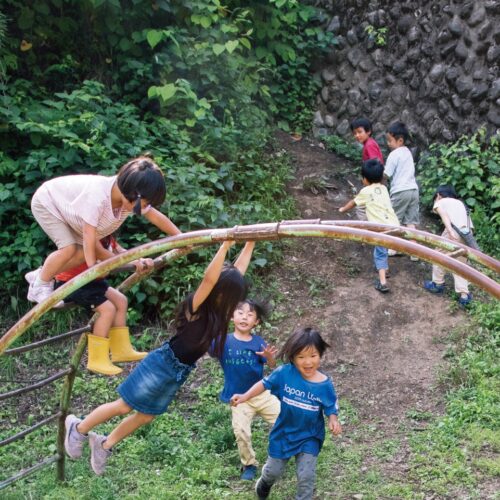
(121, 348)
(99, 361)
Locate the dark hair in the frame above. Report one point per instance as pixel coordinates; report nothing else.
(300, 340)
(361, 123)
(399, 131)
(372, 170)
(261, 307)
(142, 178)
(446, 191)
(231, 288)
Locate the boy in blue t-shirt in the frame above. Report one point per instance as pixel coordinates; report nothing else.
(306, 395)
(243, 361)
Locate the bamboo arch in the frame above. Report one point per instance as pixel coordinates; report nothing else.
(393, 237)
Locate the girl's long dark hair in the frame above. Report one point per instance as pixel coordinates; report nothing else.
(231, 288)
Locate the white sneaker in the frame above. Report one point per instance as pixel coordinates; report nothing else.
(38, 293)
(32, 275)
(392, 252)
(414, 258)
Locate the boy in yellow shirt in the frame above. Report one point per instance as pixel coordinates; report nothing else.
(375, 198)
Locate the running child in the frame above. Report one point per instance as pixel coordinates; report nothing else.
(243, 362)
(76, 211)
(201, 318)
(306, 394)
(375, 198)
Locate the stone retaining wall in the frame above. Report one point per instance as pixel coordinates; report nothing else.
(436, 67)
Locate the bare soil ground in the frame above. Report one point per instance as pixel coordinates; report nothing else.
(386, 350)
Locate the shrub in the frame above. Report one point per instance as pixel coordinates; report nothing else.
(472, 166)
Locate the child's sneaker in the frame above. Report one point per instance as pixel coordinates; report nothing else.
(414, 258)
(38, 293)
(262, 489)
(98, 455)
(381, 287)
(32, 275)
(432, 287)
(392, 253)
(74, 440)
(465, 301)
(249, 472)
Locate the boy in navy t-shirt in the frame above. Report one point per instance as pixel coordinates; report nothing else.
(306, 396)
(243, 362)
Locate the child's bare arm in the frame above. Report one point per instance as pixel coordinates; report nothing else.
(348, 206)
(89, 244)
(162, 222)
(211, 276)
(447, 223)
(244, 257)
(255, 390)
(334, 425)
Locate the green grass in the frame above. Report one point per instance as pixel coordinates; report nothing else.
(190, 452)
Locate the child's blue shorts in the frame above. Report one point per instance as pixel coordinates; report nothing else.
(153, 384)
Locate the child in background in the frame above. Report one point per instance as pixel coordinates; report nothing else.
(305, 394)
(400, 170)
(361, 129)
(243, 361)
(375, 198)
(76, 211)
(109, 331)
(201, 318)
(453, 214)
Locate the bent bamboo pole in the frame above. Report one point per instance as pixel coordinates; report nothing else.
(260, 232)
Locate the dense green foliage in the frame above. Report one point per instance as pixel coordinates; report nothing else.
(196, 83)
(342, 147)
(472, 166)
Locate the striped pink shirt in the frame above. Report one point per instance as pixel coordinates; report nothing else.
(79, 199)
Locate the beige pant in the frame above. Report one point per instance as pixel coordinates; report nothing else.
(461, 284)
(268, 407)
(56, 229)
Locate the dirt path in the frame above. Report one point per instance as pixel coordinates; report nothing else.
(387, 350)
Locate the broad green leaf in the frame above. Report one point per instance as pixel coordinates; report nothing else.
(200, 113)
(218, 48)
(206, 22)
(245, 42)
(154, 37)
(231, 45)
(166, 92)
